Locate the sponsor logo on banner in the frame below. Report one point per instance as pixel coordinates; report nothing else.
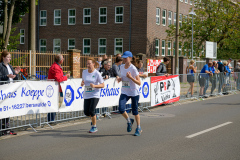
(152, 65)
(145, 89)
(165, 89)
(69, 95)
(49, 91)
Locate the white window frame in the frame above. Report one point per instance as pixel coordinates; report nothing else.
(101, 46)
(22, 36)
(40, 46)
(157, 47)
(169, 18)
(169, 48)
(103, 15)
(164, 18)
(71, 46)
(55, 17)
(175, 18)
(86, 16)
(115, 46)
(190, 2)
(158, 13)
(186, 1)
(41, 18)
(181, 0)
(180, 20)
(54, 46)
(71, 16)
(86, 46)
(118, 14)
(163, 48)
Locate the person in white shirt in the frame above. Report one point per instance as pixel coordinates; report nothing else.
(130, 89)
(93, 81)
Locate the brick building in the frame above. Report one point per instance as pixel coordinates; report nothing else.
(104, 27)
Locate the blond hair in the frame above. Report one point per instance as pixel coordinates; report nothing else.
(192, 61)
(225, 63)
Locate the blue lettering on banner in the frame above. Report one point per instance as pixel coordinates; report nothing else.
(49, 91)
(145, 90)
(8, 95)
(49, 104)
(80, 94)
(69, 95)
(32, 93)
(0, 109)
(106, 92)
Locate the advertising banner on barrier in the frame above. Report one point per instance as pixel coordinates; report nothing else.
(165, 90)
(152, 65)
(109, 95)
(28, 97)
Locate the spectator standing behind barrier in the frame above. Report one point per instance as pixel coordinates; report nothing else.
(93, 81)
(221, 76)
(130, 89)
(116, 66)
(190, 70)
(162, 69)
(227, 77)
(7, 74)
(229, 64)
(107, 72)
(140, 69)
(56, 73)
(99, 62)
(213, 79)
(237, 74)
(104, 58)
(204, 79)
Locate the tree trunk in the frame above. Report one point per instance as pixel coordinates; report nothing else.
(9, 25)
(5, 19)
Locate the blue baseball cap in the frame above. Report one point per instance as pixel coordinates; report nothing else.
(127, 54)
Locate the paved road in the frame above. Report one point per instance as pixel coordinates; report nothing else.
(164, 136)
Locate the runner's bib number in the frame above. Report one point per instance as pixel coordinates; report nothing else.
(89, 89)
(126, 84)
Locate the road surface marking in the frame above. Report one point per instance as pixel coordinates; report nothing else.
(208, 130)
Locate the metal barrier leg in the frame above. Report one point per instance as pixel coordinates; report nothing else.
(32, 127)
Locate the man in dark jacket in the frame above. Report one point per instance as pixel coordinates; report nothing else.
(107, 72)
(162, 69)
(221, 76)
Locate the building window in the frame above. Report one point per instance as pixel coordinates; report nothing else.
(22, 36)
(175, 18)
(57, 17)
(43, 18)
(169, 48)
(180, 49)
(118, 14)
(71, 17)
(190, 2)
(181, 0)
(158, 16)
(56, 45)
(103, 15)
(118, 45)
(71, 44)
(186, 1)
(86, 46)
(174, 48)
(163, 47)
(87, 16)
(157, 47)
(164, 17)
(102, 46)
(43, 45)
(169, 18)
(180, 20)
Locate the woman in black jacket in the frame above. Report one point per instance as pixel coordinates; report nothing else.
(7, 75)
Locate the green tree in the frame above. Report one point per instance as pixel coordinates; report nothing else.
(9, 15)
(217, 21)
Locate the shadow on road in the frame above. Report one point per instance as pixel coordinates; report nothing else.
(233, 104)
